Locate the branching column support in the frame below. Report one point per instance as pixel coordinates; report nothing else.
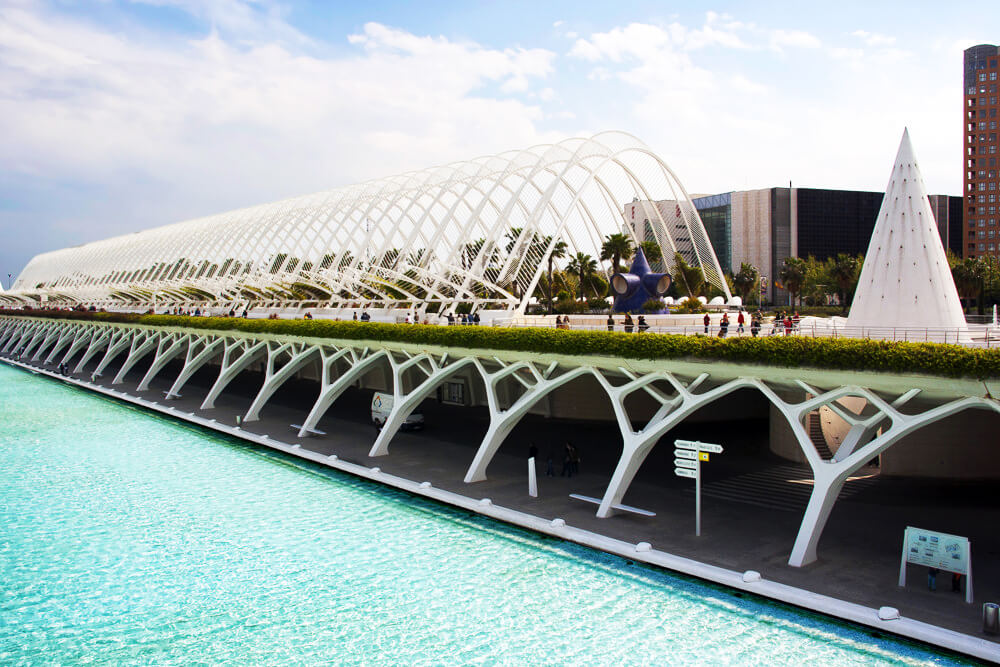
(83, 337)
(299, 354)
(502, 422)
(120, 340)
(65, 338)
(237, 356)
(143, 342)
(636, 445)
(17, 337)
(198, 353)
(37, 337)
(50, 337)
(7, 331)
(829, 476)
(330, 390)
(169, 347)
(404, 404)
(97, 343)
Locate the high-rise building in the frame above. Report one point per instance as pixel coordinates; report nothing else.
(982, 184)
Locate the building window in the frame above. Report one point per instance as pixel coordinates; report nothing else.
(982, 77)
(993, 76)
(982, 246)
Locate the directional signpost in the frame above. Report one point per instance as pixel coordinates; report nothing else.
(688, 457)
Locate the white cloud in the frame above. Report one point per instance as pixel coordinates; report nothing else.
(874, 38)
(757, 119)
(219, 122)
(793, 38)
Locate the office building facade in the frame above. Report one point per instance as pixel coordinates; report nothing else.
(982, 184)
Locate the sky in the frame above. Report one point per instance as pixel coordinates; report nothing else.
(119, 116)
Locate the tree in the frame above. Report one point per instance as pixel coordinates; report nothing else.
(968, 277)
(584, 267)
(844, 271)
(689, 279)
(745, 281)
(792, 275)
(615, 247)
(558, 252)
(651, 249)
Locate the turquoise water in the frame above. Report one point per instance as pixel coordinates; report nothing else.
(127, 538)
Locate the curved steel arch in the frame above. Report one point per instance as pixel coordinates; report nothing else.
(477, 231)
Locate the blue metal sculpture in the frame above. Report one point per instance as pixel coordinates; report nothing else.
(633, 289)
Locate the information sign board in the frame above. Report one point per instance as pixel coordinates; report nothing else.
(685, 472)
(686, 454)
(685, 463)
(940, 550)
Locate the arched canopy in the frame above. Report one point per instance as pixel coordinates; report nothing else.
(479, 231)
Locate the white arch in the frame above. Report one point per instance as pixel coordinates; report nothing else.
(477, 231)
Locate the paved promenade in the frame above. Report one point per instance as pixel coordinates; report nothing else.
(752, 501)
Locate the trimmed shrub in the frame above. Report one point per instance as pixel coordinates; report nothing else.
(791, 351)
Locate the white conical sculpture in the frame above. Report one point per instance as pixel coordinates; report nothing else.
(906, 282)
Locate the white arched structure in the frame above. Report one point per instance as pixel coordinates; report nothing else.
(477, 232)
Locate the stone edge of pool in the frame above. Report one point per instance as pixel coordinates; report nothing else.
(641, 552)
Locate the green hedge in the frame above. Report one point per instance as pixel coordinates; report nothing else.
(841, 353)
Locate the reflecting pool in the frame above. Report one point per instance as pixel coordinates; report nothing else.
(129, 538)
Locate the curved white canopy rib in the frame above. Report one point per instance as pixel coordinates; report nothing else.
(478, 231)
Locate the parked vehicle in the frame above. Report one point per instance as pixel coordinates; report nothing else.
(382, 408)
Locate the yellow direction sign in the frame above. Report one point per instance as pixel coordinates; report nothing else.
(703, 456)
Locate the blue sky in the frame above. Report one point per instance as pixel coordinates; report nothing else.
(120, 116)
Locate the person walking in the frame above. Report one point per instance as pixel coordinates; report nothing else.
(755, 326)
(629, 324)
(708, 321)
(611, 323)
(550, 466)
(724, 325)
(532, 450)
(567, 466)
(642, 326)
(788, 325)
(740, 320)
(574, 461)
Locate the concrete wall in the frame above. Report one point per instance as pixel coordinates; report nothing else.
(963, 446)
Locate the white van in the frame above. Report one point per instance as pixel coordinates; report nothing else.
(382, 407)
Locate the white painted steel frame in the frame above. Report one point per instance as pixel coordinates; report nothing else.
(477, 232)
(342, 363)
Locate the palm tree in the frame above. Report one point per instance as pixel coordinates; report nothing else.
(558, 252)
(584, 266)
(745, 280)
(844, 271)
(793, 275)
(689, 279)
(652, 251)
(615, 247)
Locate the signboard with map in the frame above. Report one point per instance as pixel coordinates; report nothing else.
(940, 551)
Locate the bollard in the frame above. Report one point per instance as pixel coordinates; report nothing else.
(991, 618)
(532, 478)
